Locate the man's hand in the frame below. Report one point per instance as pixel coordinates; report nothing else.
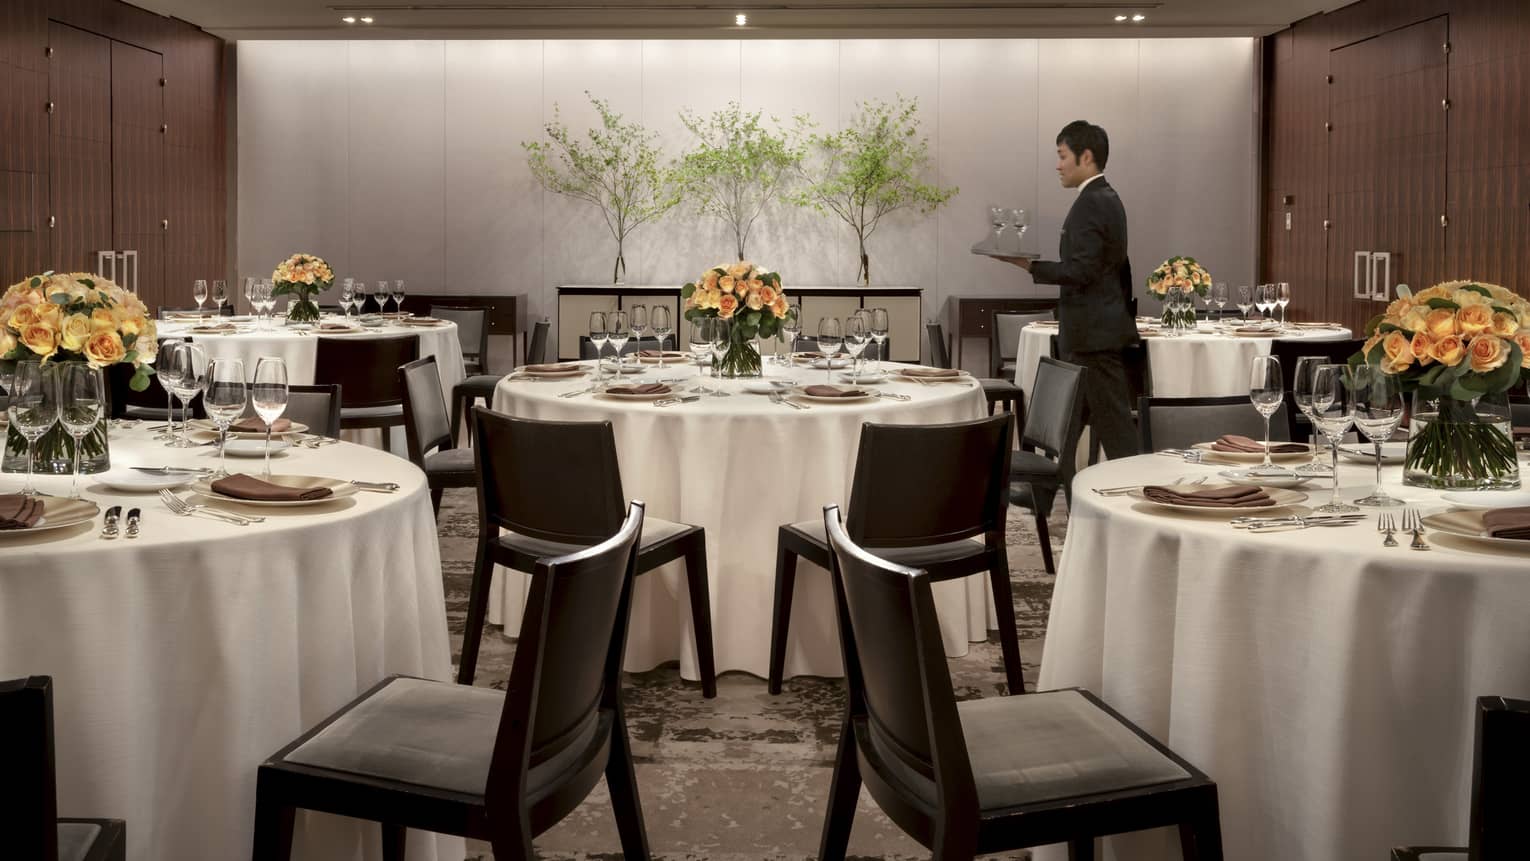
(1022, 262)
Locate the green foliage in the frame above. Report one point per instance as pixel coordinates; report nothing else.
(736, 166)
(140, 380)
(1442, 303)
(871, 168)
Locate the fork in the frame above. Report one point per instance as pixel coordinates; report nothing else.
(893, 396)
(186, 509)
(1413, 522)
(778, 398)
(1385, 524)
(577, 392)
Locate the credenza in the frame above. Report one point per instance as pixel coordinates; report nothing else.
(972, 316)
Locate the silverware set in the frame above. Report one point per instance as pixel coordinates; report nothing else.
(1188, 455)
(1294, 521)
(680, 399)
(111, 529)
(1412, 523)
(577, 392)
(376, 486)
(186, 509)
(893, 396)
(778, 398)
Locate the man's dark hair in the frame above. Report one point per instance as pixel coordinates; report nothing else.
(1080, 135)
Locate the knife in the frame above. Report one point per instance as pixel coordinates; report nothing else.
(173, 470)
(132, 523)
(109, 531)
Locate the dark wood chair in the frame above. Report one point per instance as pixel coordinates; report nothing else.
(481, 386)
(472, 334)
(316, 406)
(1498, 828)
(517, 461)
(1182, 422)
(426, 434)
(365, 369)
(148, 404)
(29, 824)
(1048, 451)
(999, 392)
(1004, 341)
(491, 765)
(922, 493)
(992, 774)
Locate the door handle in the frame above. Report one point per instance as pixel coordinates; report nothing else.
(1363, 260)
(130, 257)
(1381, 288)
(106, 265)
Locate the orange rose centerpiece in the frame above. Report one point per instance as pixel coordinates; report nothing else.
(303, 276)
(1459, 347)
(749, 299)
(1174, 282)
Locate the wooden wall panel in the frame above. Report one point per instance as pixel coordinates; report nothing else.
(80, 147)
(23, 138)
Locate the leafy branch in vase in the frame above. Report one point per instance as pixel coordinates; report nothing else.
(736, 167)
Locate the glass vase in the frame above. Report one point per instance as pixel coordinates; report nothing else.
(54, 454)
(1168, 319)
(1456, 444)
(302, 310)
(741, 360)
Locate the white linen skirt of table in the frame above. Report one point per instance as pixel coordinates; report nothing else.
(1327, 684)
(181, 660)
(1203, 365)
(741, 467)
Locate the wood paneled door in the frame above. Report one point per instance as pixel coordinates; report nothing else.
(80, 147)
(138, 165)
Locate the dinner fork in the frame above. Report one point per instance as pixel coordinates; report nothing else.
(893, 396)
(186, 509)
(778, 398)
(1414, 522)
(1387, 526)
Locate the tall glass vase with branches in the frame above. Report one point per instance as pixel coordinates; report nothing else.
(736, 166)
(617, 166)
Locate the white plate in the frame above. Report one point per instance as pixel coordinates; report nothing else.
(243, 447)
(206, 426)
(1247, 478)
(59, 512)
(133, 481)
(761, 387)
(861, 379)
(669, 358)
(1468, 524)
(564, 371)
(914, 378)
(1258, 456)
(1391, 452)
(865, 396)
(610, 367)
(1487, 498)
(827, 364)
(339, 490)
(667, 393)
(1281, 497)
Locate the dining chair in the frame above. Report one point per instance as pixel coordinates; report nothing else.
(998, 392)
(364, 370)
(1048, 451)
(500, 766)
(1004, 341)
(317, 406)
(427, 436)
(517, 461)
(467, 393)
(1498, 828)
(148, 404)
(934, 495)
(472, 334)
(992, 774)
(29, 823)
(1165, 423)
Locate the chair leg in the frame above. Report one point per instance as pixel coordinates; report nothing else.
(1004, 610)
(393, 838)
(1046, 543)
(1081, 849)
(457, 400)
(701, 612)
(621, 781)
(844, 789)
(511, 838)
(478, 608)
(781, 614)
(435, 501)
(273, 828)
(1201, 838)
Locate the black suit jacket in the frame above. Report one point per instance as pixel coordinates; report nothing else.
(1094, 276)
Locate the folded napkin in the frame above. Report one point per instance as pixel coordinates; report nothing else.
(644, 389)
(253, 424)
(241, 486)
(1499, 523)
(822, 391)
(810, 354)
(660, 354)
(1231, 496)
(422, 321)
(218, 329)
(336, 327)
(549, 368)
(931, 373)
(1253, 330)
(1244, 445)
(19, 512)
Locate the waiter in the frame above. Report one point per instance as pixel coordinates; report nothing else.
(1094, 279)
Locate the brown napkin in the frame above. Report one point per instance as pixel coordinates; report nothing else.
(549, 368)
(422, 321)
(253, 424)
(1244, 445)
(19, 512)
(1211, 497)
(930, 373)
(810, 354)
(241, 486)
(1499, 523)
(822, 391)
(644, 389)
(1254, 330)
(659, 354)
(336, 327)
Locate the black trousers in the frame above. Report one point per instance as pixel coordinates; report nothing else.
(1107, 402)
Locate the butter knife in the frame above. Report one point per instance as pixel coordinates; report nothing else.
(109, 531)
(132, 523)
(173, 470)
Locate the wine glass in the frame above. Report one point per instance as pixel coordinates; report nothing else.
(380, 294)
(1331, 414)
(1245, 301)
(398, 297)
(199, 293)
(1301, 394)
(856, 336)
(639, 318)
(347, 293)
(1266, 390)
(1283, 298)
(1020, 220)
(1376, 402)
(165, 370)
(881, 325)
(997, 216)
(722, 333)
(618, 333)
(700, 343)
(187, 382)
(80, 402)
(661, 325)
(598, 337)
(1219, 296)
(269, 395)
(33, 408)
(220, 295)
(224, 401)
(830, 339)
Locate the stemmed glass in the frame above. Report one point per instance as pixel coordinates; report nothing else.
(639, 317)
(618, 333)
(1020, 220)
(830, 339)
(252, 294)
(33, 409)
(166, 368)
(1283, 298)
(997, 216)
(661, 326)
(1376, 403)
(269, 395)
(721, 333)
(1331, 414)
(1245, 301)
(186, 382)
(220, 295)
(702, 331)
(381, 295)
(347, 293)
(791, 327)
(398, 297)
(80, 401)
(598, 337)
(881, 325)
(856, 337)
(1219, 297)
(199, 293)
(1265, 389)
(224, 402)
(1302, 378)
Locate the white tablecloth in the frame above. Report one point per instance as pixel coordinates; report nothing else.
(1326, 683)
(1206, 364)
(182, 659)
(740, 467)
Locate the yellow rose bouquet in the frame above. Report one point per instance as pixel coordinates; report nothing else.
(750, 298)
(303, 276)
(1459, 346)
(1179, 275)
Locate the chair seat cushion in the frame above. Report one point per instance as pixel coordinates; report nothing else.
(655, 529)
(1028, 464)
(1026, 495)
(372, 412)
(995, 385)
(477, 386)
(451, 461)
(1049, 746)
(914, 557)
(426, 733)
(76, 839)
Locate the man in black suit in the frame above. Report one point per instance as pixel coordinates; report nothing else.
(1094, 278)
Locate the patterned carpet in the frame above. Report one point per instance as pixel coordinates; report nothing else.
(743, 776)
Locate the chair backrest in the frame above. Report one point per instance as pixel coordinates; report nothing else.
(426, 423)
(895, 670)
(1004, 335)
(123, 396)
(226, 311)
(1337, 353)
(472, 329)
(536, 345)
(1055, 416)
(587, 349)
(518, 460)
(925, 484)
(940, 357)
(1182, 422)
(317, 406)
(1519, 411)
(29, 817)
(363, 367)
(573, 634)
(1500, 771)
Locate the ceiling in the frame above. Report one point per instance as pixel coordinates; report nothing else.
(767, 19)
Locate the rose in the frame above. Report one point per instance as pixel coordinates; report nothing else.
(102, 319)
(134, 325)
(1399, 308)
(1504, 325)
(72, 334)
(740, 269)
(8, 342)
(41, 339)
(1523, 340)
(1413, 320)
(1487, 353)
(104, 348)
(1473, 320)
(1422, 347)
(725, 283)
(1398, 349)
(1440, 322)
(754, 301)
(1448, 350)
(779, 308)
(1467, 298)
(23, 317)
(709, 282)
(768, 295)
(726, 305)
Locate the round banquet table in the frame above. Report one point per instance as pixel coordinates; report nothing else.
(1326, 683)
(182, 659)
(741, 466)
(1205, 364)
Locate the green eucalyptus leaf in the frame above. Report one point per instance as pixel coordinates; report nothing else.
(1437, 302)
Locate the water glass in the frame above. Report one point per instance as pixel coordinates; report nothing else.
(881, 325)
(618, 333)
(1219, 296)
(398, 297)
(722, 334)
(1266, 390)
(791, 327)
(856, 337)
(1283, 298)
(661, 324)
(830, 338)
(1376, 403)
(1020, 220)
(165, 370)
(224, 401)
(700, 343)
(199, 292)
(347, 293)
(639, 319)
(599, 335)
(381, 295)
(33, 408)
(269, 395)
(998, 217)
(1245, 301)
(1331, 414)
(81, 401)
(190, 375)
(1302, 377)
(220, 294)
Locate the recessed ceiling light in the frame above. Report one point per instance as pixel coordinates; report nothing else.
(349, 19)
(366, 19)
(1137, 17)
(740, 20)
(1120, 17)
